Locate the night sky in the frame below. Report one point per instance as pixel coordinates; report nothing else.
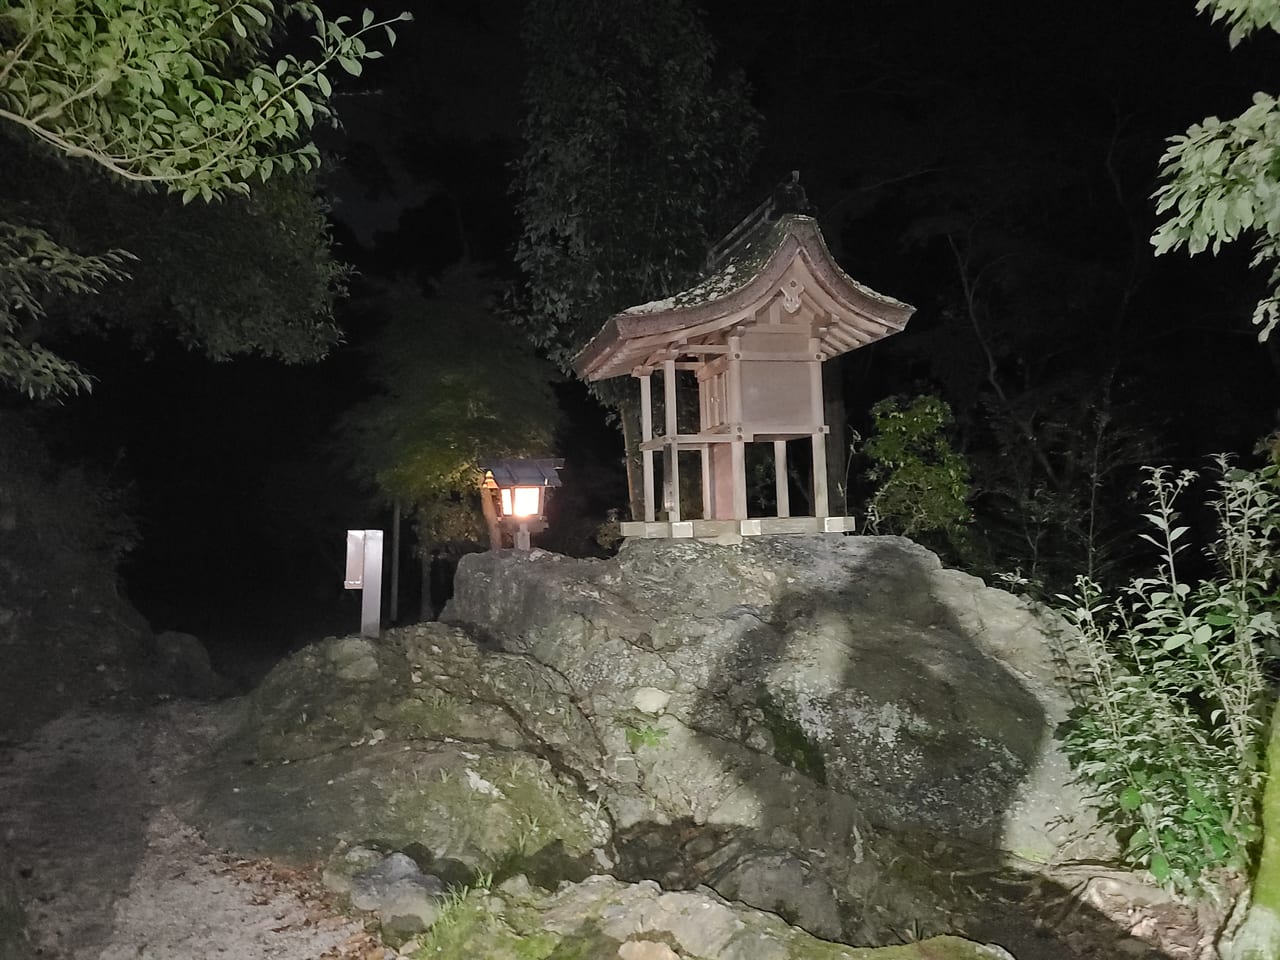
(1033, 130)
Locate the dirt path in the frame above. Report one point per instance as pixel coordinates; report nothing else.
(108, 872)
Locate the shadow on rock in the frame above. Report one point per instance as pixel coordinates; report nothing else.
(836, 729)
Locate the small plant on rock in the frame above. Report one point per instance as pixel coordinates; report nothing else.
(1170, 689)
(645, 736)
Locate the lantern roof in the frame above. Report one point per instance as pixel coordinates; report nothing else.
(522, 473)
(770, 258)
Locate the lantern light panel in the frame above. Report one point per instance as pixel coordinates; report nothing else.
(521, 501)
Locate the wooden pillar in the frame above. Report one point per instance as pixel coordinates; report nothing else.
(629, 414)
(646, 434)
(738, 457)
(737, 448)
(780, 478)
(671, 457)
(836, 418)
(733, 384)
(722, 481)
(821, 508)
(821, 503)
(706, 482)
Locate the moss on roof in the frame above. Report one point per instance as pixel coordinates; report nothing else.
(740, 266)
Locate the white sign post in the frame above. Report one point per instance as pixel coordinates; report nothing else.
(364, 573)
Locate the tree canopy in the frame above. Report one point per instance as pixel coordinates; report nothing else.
(181, 97)
(633, 149)
(174, 93)
(1222, 181)
(455, 384)
(246, 274)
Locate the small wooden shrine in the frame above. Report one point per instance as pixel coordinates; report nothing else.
(754, 332)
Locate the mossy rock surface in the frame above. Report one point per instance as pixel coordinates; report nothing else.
(351, 741)
(476, 807)
(596, 919)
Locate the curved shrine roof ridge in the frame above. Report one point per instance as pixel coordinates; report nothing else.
(783, 261)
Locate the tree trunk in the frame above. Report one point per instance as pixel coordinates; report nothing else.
(426, 607)
(1259, 936)
(395, 562)
(491, 519)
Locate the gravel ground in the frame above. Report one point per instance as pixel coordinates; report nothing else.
(108, 872)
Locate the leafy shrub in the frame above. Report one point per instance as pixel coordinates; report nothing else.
(1170, 686)
(922, 483)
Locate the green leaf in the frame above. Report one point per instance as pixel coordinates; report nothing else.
(1176, 642)
(1160, 868)
(304, 105)
(1130, 799)
(351, 66)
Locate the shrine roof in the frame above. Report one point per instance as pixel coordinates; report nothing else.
(743, 273)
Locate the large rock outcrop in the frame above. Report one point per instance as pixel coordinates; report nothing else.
(916, 691)
(839, 731)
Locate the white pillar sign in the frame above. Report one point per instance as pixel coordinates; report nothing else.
(364, 573)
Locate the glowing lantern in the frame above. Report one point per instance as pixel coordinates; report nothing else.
(522, 487)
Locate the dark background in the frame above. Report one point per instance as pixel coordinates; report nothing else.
(1031, 132)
